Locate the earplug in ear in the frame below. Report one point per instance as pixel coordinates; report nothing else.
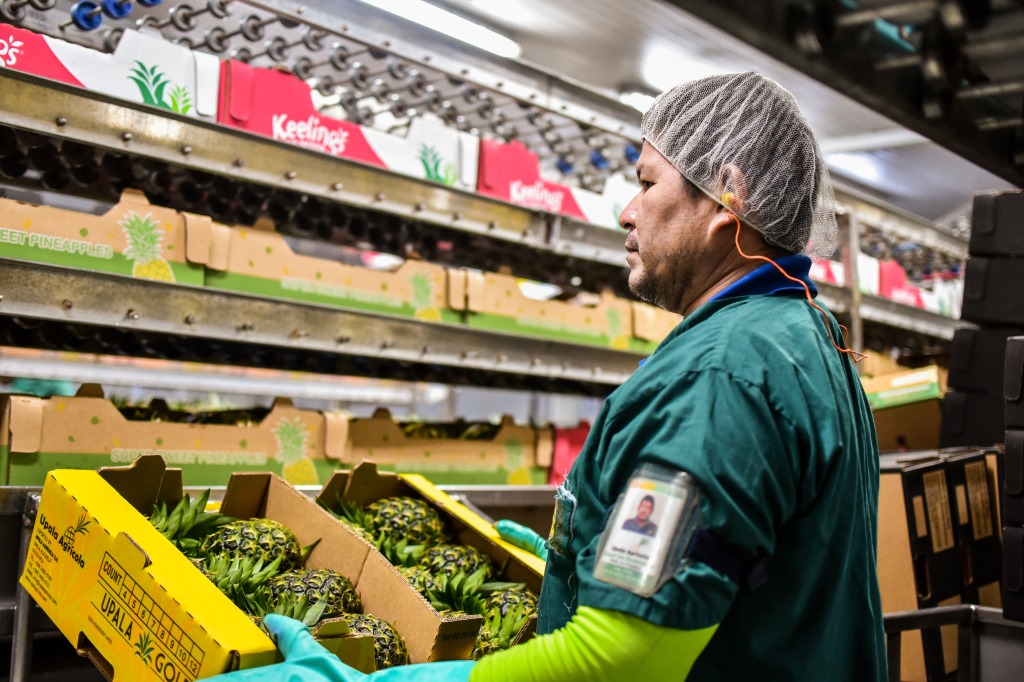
(727, 199)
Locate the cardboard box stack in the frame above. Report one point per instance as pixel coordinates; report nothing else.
(1013, 505)
(453, 453)
(88, 431)
(128, 600)
(918, 557)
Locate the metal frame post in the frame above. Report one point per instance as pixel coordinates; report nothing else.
(21, 636)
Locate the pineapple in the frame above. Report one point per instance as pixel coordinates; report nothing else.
(421, 578)
(188, 523)
(498, 630)
(450, 560)
(144, 238)
(320, 585)
(506, 600)
(388, 646)
(401, 553)
(297, 468)
(289, 604)
(406, 518)
(245, 575)
(258, 538)
(459, 594)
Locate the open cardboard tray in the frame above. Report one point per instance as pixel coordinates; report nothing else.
(365, 484)
(128, 600)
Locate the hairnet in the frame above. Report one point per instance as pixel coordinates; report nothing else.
(744, 134)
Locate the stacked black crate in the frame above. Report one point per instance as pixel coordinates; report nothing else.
(972, 411)
(1013, 498)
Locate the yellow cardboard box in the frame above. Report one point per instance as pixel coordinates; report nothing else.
(133, 238)
(652, 324)
(122, 594)
(516, 455)
(259, 261)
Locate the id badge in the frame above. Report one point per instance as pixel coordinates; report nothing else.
(645, 540)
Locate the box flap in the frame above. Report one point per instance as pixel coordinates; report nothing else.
(365, 485)
(237, 85)
(198, 238)
(961, 349)
(476, 286)
(457, 289)
(335, 435)
(207, 80)
(246, 495)
(26, 424)
(1013, 385)
(140, 482)
(975, 276)
(220, 247)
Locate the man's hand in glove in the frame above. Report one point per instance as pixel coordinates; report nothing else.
(306, 661)
(522, 537)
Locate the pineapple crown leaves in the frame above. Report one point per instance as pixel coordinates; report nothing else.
(460, 592)
(286, 604)
(347, 511)
(495, 587)
(501, 629)
(151, 84)
(400, 553)
(144, 237)
(188, 523)
(307, 550)
(240, 575)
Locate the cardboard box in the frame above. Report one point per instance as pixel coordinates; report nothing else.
(1013, 383)
(495, 302)
(568, 445)
(1013, 573)
(143, 68)
(88, 431)
(1013, 493)
(918, 558)
(893, 285)
(997, 225)
(516, 455)
(511, 172)
(877, 364)
(437, 638)
(259, 261)
(972, 419)
(977, 521)
(652, 324)
(907, 407)
(102, 243)
(992, 289)
(977, 359)
(132, 603)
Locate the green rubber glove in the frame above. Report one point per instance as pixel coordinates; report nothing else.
(522, 537)
(306, 661)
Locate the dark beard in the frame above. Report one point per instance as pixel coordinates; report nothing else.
(666, 295)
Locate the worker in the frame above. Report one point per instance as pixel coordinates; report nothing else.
(747, 427)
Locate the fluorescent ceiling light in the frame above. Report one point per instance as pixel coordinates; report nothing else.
(452, 25)
(641, 101)
(667, 66)
(856, 165)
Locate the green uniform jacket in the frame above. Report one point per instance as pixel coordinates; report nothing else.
(747, 395)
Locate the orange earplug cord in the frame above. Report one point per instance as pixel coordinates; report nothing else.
(857, 357)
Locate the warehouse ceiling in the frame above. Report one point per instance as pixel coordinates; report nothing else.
(615, 46)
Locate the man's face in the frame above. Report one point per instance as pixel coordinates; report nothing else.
(643, 510)
(667, 233)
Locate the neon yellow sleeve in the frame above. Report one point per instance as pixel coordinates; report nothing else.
(598, 645)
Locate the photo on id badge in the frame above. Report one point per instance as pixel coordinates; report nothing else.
(644, 521)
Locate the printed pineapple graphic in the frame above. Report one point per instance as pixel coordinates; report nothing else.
(434, 170)
(619, 340)
(144, 247)
(144, 647)
(152, 84)
(296, 467)
(423, 297)
(81, 528)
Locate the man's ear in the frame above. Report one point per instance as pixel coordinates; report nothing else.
(734, 189)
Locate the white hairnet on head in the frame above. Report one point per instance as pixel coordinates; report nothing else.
(742, 140)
